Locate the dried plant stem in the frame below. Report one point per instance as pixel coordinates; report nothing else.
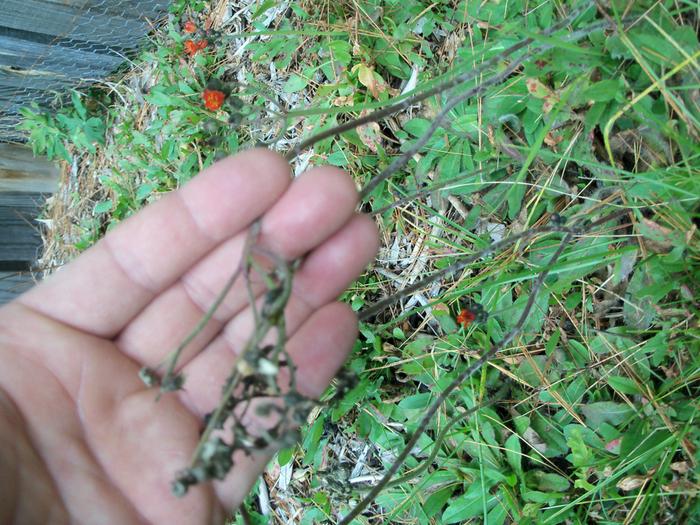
(254, 376)
(169, 381)
(253, 379)
(403, 159)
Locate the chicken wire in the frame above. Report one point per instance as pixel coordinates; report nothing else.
(48, 47)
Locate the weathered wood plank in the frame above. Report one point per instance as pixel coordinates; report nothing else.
(17, 52)
(135, 9)
(19, 235)
(33, 80)
(13, 284)
(20, 171)
(64, 21)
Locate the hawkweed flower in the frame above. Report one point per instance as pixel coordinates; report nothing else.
(213, 98)
(466, 317)
(191, 47)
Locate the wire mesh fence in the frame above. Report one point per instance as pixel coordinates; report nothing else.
(50, 46)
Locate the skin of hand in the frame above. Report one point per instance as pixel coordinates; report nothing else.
(82, 440)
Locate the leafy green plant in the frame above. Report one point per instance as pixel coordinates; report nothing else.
(49, 134)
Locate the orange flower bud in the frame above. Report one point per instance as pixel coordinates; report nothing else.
(213, 98)
(191, 47)
(465, 317)
(190, 27)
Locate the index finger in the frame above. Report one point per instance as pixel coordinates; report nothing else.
(115, 279)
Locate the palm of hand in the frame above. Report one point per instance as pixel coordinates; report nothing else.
(81, 439)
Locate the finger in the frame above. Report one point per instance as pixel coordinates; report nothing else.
(315, 206)
(112, 282)
(325, 273)
(319, 349)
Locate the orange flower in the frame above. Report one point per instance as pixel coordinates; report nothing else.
(465, 317)
(191, 47)
(190, 27)
(213, 98)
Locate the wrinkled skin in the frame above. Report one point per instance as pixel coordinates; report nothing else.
(81, 438)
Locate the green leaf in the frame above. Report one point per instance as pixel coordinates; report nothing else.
(467, 122)
(436, 501)
(294, 83)
(312, 440)
(264, 6)
(284, 456)
(341, 51)
(416, 401)
(622, 384)
(144, 190)
(78, 104)
(535, 320)
(514, 453)
(497, 515)
(581, 455)
(604, 90)
(352, 398)
(467, 506)
(606, 412)
(103, 206)
(639, 313)
(398, 333)
(417, 126)
(159, 98)
(547, 481)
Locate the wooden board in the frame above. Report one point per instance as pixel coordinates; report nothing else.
(20, 52)
(20, 171)
(20, 240)
(139, 9)
(13, 284)
(59, 20)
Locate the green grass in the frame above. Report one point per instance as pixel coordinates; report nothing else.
(597, 417)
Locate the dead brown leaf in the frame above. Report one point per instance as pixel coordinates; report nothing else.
(347, 100)
(681, 467)
(369, 78)
(658, 238)
(370, 135)
(631, 482)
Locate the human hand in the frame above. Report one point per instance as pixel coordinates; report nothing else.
(81, 438)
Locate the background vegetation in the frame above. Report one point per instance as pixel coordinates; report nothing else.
(595, 412)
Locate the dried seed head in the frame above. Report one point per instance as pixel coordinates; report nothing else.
(149, 377)
(557, 220)
(172, 383)
(267, 367)
(244, 367)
